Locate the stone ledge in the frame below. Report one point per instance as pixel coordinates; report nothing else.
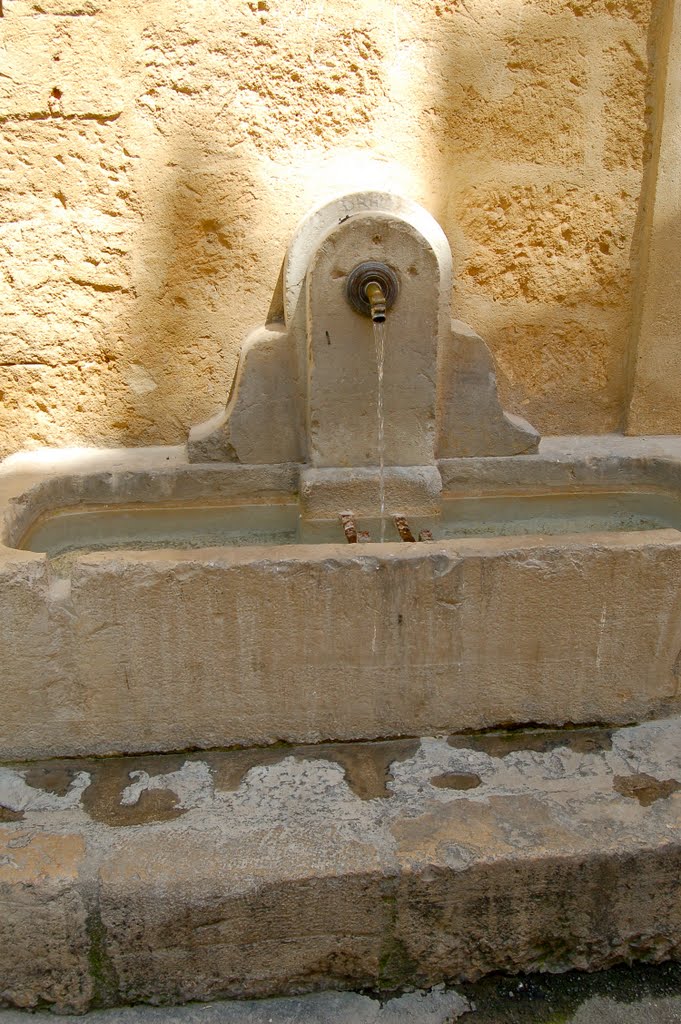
(408, 490)
(170, 878)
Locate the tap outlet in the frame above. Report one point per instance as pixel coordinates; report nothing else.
(376, 299)
(372, 289)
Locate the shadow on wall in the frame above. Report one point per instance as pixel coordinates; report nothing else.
(535, 132)
(200, 277)
(548, 131)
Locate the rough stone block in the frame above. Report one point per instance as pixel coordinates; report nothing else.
(411, 490)
(200, 918)
(627, 134)
(44, 942)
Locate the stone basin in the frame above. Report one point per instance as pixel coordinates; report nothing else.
(64, 533)
(126, 651)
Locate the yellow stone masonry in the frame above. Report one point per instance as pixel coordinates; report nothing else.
(155, 156)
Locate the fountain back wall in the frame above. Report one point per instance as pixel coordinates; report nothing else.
(156, 157)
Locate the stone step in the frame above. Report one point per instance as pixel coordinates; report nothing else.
(376, 866)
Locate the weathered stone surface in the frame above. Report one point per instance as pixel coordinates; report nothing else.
(532, 358)
(584, 238)
(471, 420)
(602, 1010)
(44, 943)
(342, 354)
(277, 874)
(464, 635)
(637, 11)
(204, 138)
(480, 104)
(633, 997)
(409, 490)
(169, 649)
(318, 223)
(250, 926)
(262, 422)
(551, 362)
(329, 388)
(436, 1006)
(654, 364)
(627, 138)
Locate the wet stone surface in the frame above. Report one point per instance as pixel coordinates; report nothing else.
(645, 788)
(139, 789)
(6, 814)
(382, 866)
(633, 994)
(626, 994)
(366, 765)
(456, 780)
(501, 743)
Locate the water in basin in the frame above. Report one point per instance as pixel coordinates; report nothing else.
(118, 528)
(549, 514)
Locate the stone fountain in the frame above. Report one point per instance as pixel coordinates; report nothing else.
(504, 618)
(191, 868)
(305, 390)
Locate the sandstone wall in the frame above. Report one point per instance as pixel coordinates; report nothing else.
(156, 155)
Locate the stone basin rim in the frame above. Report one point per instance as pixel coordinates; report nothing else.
(33, 485)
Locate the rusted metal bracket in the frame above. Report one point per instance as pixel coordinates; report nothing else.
(349, 528)
(404, 529)
(355, 536)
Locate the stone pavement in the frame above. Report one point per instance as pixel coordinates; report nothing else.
(438, 1007)
(371, 866)
(626, 995)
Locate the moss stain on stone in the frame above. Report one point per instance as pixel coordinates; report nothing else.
(102, 971)
(396, 970)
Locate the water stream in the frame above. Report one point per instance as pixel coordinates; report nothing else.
(379, 342)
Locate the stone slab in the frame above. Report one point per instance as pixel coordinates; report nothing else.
(317, 224)
(408, 491)
(261, 423)
(343, 350)
(471, 419)
(373, 865)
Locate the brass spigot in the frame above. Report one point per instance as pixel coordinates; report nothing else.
(371, 289)
(376, 299)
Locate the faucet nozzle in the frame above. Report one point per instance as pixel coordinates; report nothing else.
(377, 301)
(371, 289)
